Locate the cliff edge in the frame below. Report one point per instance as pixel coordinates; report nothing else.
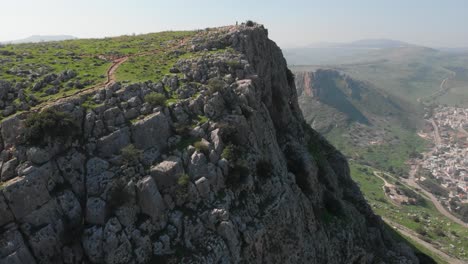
(225, 172)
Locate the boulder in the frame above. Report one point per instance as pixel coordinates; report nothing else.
(96, 166)
(152, 131)
(112, 144)
(116, 245)
(46, 245)
(96, 211)
(203, 187)
(5, 214)
(214, 107)
(215, 137)
(25, 194)
(72, 168)
(9, 169)
(13, 249)
(149, 156)
(71, 208)
(198, 165)
(150, 200)
(167, 172)
(10, 128)
(38, 155)
(113, 117)
(92, 244)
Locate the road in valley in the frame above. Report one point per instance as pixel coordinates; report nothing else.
(411, 181)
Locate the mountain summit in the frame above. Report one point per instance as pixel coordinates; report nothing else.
(211, 163)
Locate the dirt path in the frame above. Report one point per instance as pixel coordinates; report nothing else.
(442, 90)
(111, 78)
(414, 236)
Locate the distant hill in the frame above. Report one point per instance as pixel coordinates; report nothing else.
(404, 70)
(335, 53)
(330, 99)
(367, 124)
(363, 44)
(40, 38)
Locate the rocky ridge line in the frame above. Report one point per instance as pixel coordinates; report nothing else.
(229, 173)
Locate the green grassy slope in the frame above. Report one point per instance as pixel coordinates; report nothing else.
(24, 66)
(445, 234)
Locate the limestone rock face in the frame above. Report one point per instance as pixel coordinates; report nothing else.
(220, 174)
(150, 200)
(153, 131)
(167, 172)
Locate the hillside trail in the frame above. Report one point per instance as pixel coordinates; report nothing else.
(111, 78)
(386, 184)
(443, 89)
(414, 236)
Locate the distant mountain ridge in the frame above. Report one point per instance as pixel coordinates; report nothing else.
(330, 99)
(40, 38)
(363, 44)
(338, 53)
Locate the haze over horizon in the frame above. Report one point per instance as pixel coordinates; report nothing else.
(438, 24)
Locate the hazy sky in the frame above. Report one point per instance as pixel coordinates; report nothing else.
(290, 22)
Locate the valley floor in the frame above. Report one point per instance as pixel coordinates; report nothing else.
(420, 222)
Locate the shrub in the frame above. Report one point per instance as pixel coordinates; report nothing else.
(234, 64)
(421, 231)
(229, 153)
(155, 99)
(202, 146)
(439, 231)
(215, 85)
(183, 180)
(130, 153)
(47, 125)
(249, 23)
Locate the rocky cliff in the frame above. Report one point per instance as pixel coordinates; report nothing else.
(331, 99)
(228, 173)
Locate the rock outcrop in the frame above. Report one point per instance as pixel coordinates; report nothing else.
(229, 173)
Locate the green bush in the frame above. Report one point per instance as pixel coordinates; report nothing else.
(215, 85)
(155, 99)
(234, 64)
(439, 231)
(183, 180)
(202, 147)
(130, 153)
(49, 124)
(230, 153)
(421, 231)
